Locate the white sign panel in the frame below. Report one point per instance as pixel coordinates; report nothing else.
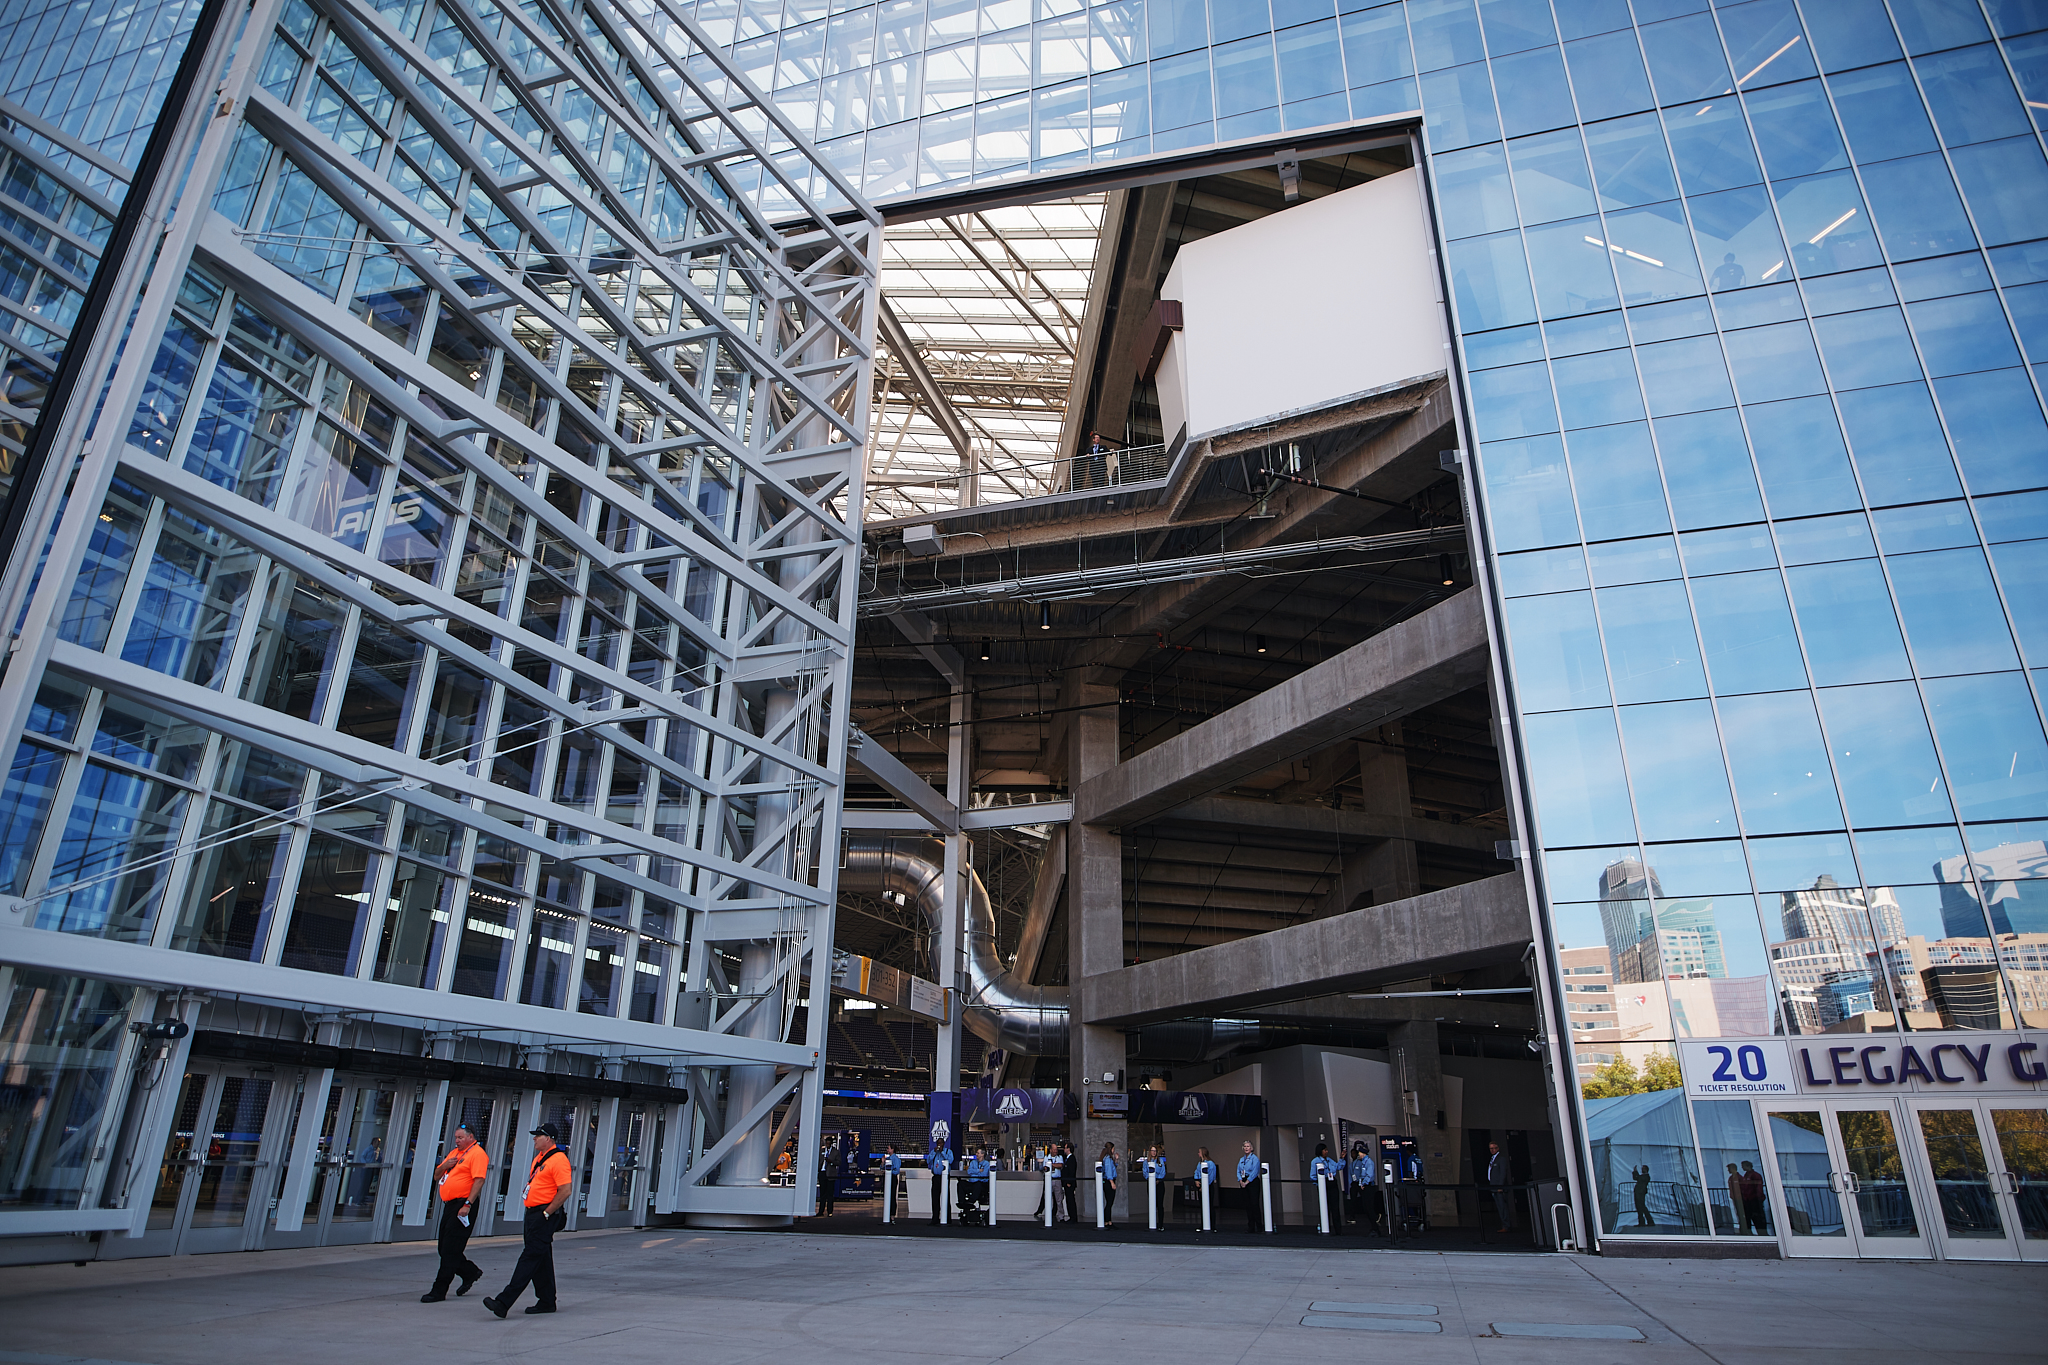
(927, 998)
(1735, 1068)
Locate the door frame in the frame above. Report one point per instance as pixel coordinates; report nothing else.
(1916, 1179)
(2012, 1244)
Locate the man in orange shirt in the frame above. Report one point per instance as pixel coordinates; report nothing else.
(548, 1187)
(461, 1174)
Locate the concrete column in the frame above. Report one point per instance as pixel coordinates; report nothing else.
(1418, 1070)
(1095, 913)
(1383, 773)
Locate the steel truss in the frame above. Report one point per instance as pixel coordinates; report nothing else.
(750, 370)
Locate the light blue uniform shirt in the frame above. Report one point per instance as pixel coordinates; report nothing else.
(977, 1168)
(1362, 1170)
(1109, 1168)
(892, 1162)
(1325, 1167)
(1205, 1170)
(1155, 1169)
(1248, 1167)
(939, 1159)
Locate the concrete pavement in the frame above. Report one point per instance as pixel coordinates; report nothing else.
(664, 1294)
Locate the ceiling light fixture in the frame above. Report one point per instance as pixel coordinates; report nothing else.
(1443, 566)
(1262, 644)
(985, 646)
(1045, 616)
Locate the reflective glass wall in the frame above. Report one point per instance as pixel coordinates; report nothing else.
(1750, 298)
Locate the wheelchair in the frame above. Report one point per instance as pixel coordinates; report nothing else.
(973, 1203)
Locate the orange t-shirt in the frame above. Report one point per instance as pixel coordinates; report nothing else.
(466, 1174)
(550, 1173)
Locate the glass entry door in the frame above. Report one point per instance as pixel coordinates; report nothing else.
(352, 1166)
(213, 1166)
(1989, 1165)
(1842, 1181)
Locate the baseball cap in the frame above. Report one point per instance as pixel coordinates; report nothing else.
(553, 1133)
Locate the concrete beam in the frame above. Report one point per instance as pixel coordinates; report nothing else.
(1451, 930)
(1402, 669)
(1320, 824)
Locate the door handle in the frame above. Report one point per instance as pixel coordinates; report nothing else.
(2012, 1182)
(1835, 1182)
(1855, 1185)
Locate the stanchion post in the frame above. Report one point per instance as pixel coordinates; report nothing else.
(1098, 1195)
(945, 1179)
(888, 1195)
(1266, 1192)
(1151, 1194)
(1205, 1203)
(1323, 1202)
(1048, 1197)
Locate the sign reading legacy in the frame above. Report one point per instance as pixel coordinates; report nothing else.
(1729, 1068)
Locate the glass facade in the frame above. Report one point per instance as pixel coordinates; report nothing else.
(1751, 303)
(409, 577)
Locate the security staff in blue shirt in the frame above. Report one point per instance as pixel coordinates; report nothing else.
(1362, 1179)
(1108, 1164)
(1247, 1176)
(939, 1159)
(978, 1184)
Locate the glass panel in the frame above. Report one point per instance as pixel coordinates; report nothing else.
(228, 1178)
(355, 1198)
(2023, 1151)
(1812, 1208)
(234, 884)
(1962, 1184)
(191, 604)
(178, 1154)
(326, 930)
(1871, 1148)
(419, 902)
(1740, 1203)
(112, 847)
(1643, 1160)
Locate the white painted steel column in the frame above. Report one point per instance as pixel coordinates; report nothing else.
(426, 1153)
(299, 1174)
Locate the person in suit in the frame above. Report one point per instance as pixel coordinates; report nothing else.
(831, 1165)
(1070, 1181)
(1499, 1175)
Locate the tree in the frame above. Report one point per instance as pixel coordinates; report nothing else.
(1620, 1077)
(1616, 1078)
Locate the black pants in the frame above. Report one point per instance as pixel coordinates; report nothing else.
(453, 1238)
(1503, 1206)
(536, 1262)
(1069, 1191)
(827, 1188)
(1254, 1210)
(938, 1194)
(1108, 1201)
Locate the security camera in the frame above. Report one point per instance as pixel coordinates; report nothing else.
(1535, 1045)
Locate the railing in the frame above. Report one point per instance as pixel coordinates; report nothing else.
(1110, 468)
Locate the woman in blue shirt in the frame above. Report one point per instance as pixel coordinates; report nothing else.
(1108, 1184)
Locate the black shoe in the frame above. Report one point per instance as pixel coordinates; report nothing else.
(540, 1308)
(496, 1307)
(434, 1296)
(468, 1283)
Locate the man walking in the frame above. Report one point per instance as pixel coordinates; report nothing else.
(548, 1186)
(461, 1174)
(1070, 1181)
(1247, 1178)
